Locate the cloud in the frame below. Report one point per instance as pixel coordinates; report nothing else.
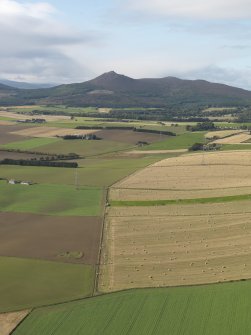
(35, 44)
(195, 9)
(225, 75)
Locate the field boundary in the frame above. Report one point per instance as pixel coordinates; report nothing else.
(97, 266)
(19, 324)
(115, 203)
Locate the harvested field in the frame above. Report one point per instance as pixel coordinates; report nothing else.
(52, 132)
(222, 133)
(235, 139)
(124, 194)
(191, 176)
(17, 116)
(70, 239)
(9, 321)
(176, 245)
(5, 123)
(156, 152)
(129, 136)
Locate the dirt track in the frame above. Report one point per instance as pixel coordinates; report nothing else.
(47, 237)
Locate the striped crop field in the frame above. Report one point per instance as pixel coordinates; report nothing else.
(221, 309)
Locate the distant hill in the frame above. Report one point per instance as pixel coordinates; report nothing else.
(24, 85)
(115, 90)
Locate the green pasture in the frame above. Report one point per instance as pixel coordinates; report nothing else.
(92, 172)
(32, 143)
(181, 201)
(183, 141)
(84, 148)
(226, 147)
(218, 309)
(31, 283)
(62, 200)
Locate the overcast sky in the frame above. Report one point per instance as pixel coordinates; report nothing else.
(62, 41)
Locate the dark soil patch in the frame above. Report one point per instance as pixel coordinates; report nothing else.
(63, 239)
(129, 136)
(6, 136)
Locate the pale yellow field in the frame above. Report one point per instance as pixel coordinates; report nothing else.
(222, 133)
(186, 177)
(235, 139)
(176, 245)
(148, 195)
(9, 321)
(155, 152)
(17, 116)
(52, 132)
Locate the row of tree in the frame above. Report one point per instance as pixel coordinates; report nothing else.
(27, 162)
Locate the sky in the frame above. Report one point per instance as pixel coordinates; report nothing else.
(62, 41)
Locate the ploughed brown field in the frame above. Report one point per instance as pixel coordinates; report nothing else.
(129, 136)
(71, 239)
(176, 245)
(6, 135)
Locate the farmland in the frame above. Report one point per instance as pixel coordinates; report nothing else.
(188, 223)
(9, 321)
(235, 139)
(176, 245)
(211, 309)
(49, 132)
(139, 211)
(30, 283)
(63, 239)
(183, 141)
(59, 200)
(189, 176)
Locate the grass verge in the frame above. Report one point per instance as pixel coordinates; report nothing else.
(180, 201)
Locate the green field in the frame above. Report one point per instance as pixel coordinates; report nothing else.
(183, 141)
(95, 172)
(220, 309)
(236, 147)
(50, 199)
(181, 201)
(84, 148)
(31, 283)
(32, 143)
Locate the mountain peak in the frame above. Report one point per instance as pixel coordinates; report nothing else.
(112, 80)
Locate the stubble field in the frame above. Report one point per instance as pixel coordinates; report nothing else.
(180, 243)
(192, 176)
